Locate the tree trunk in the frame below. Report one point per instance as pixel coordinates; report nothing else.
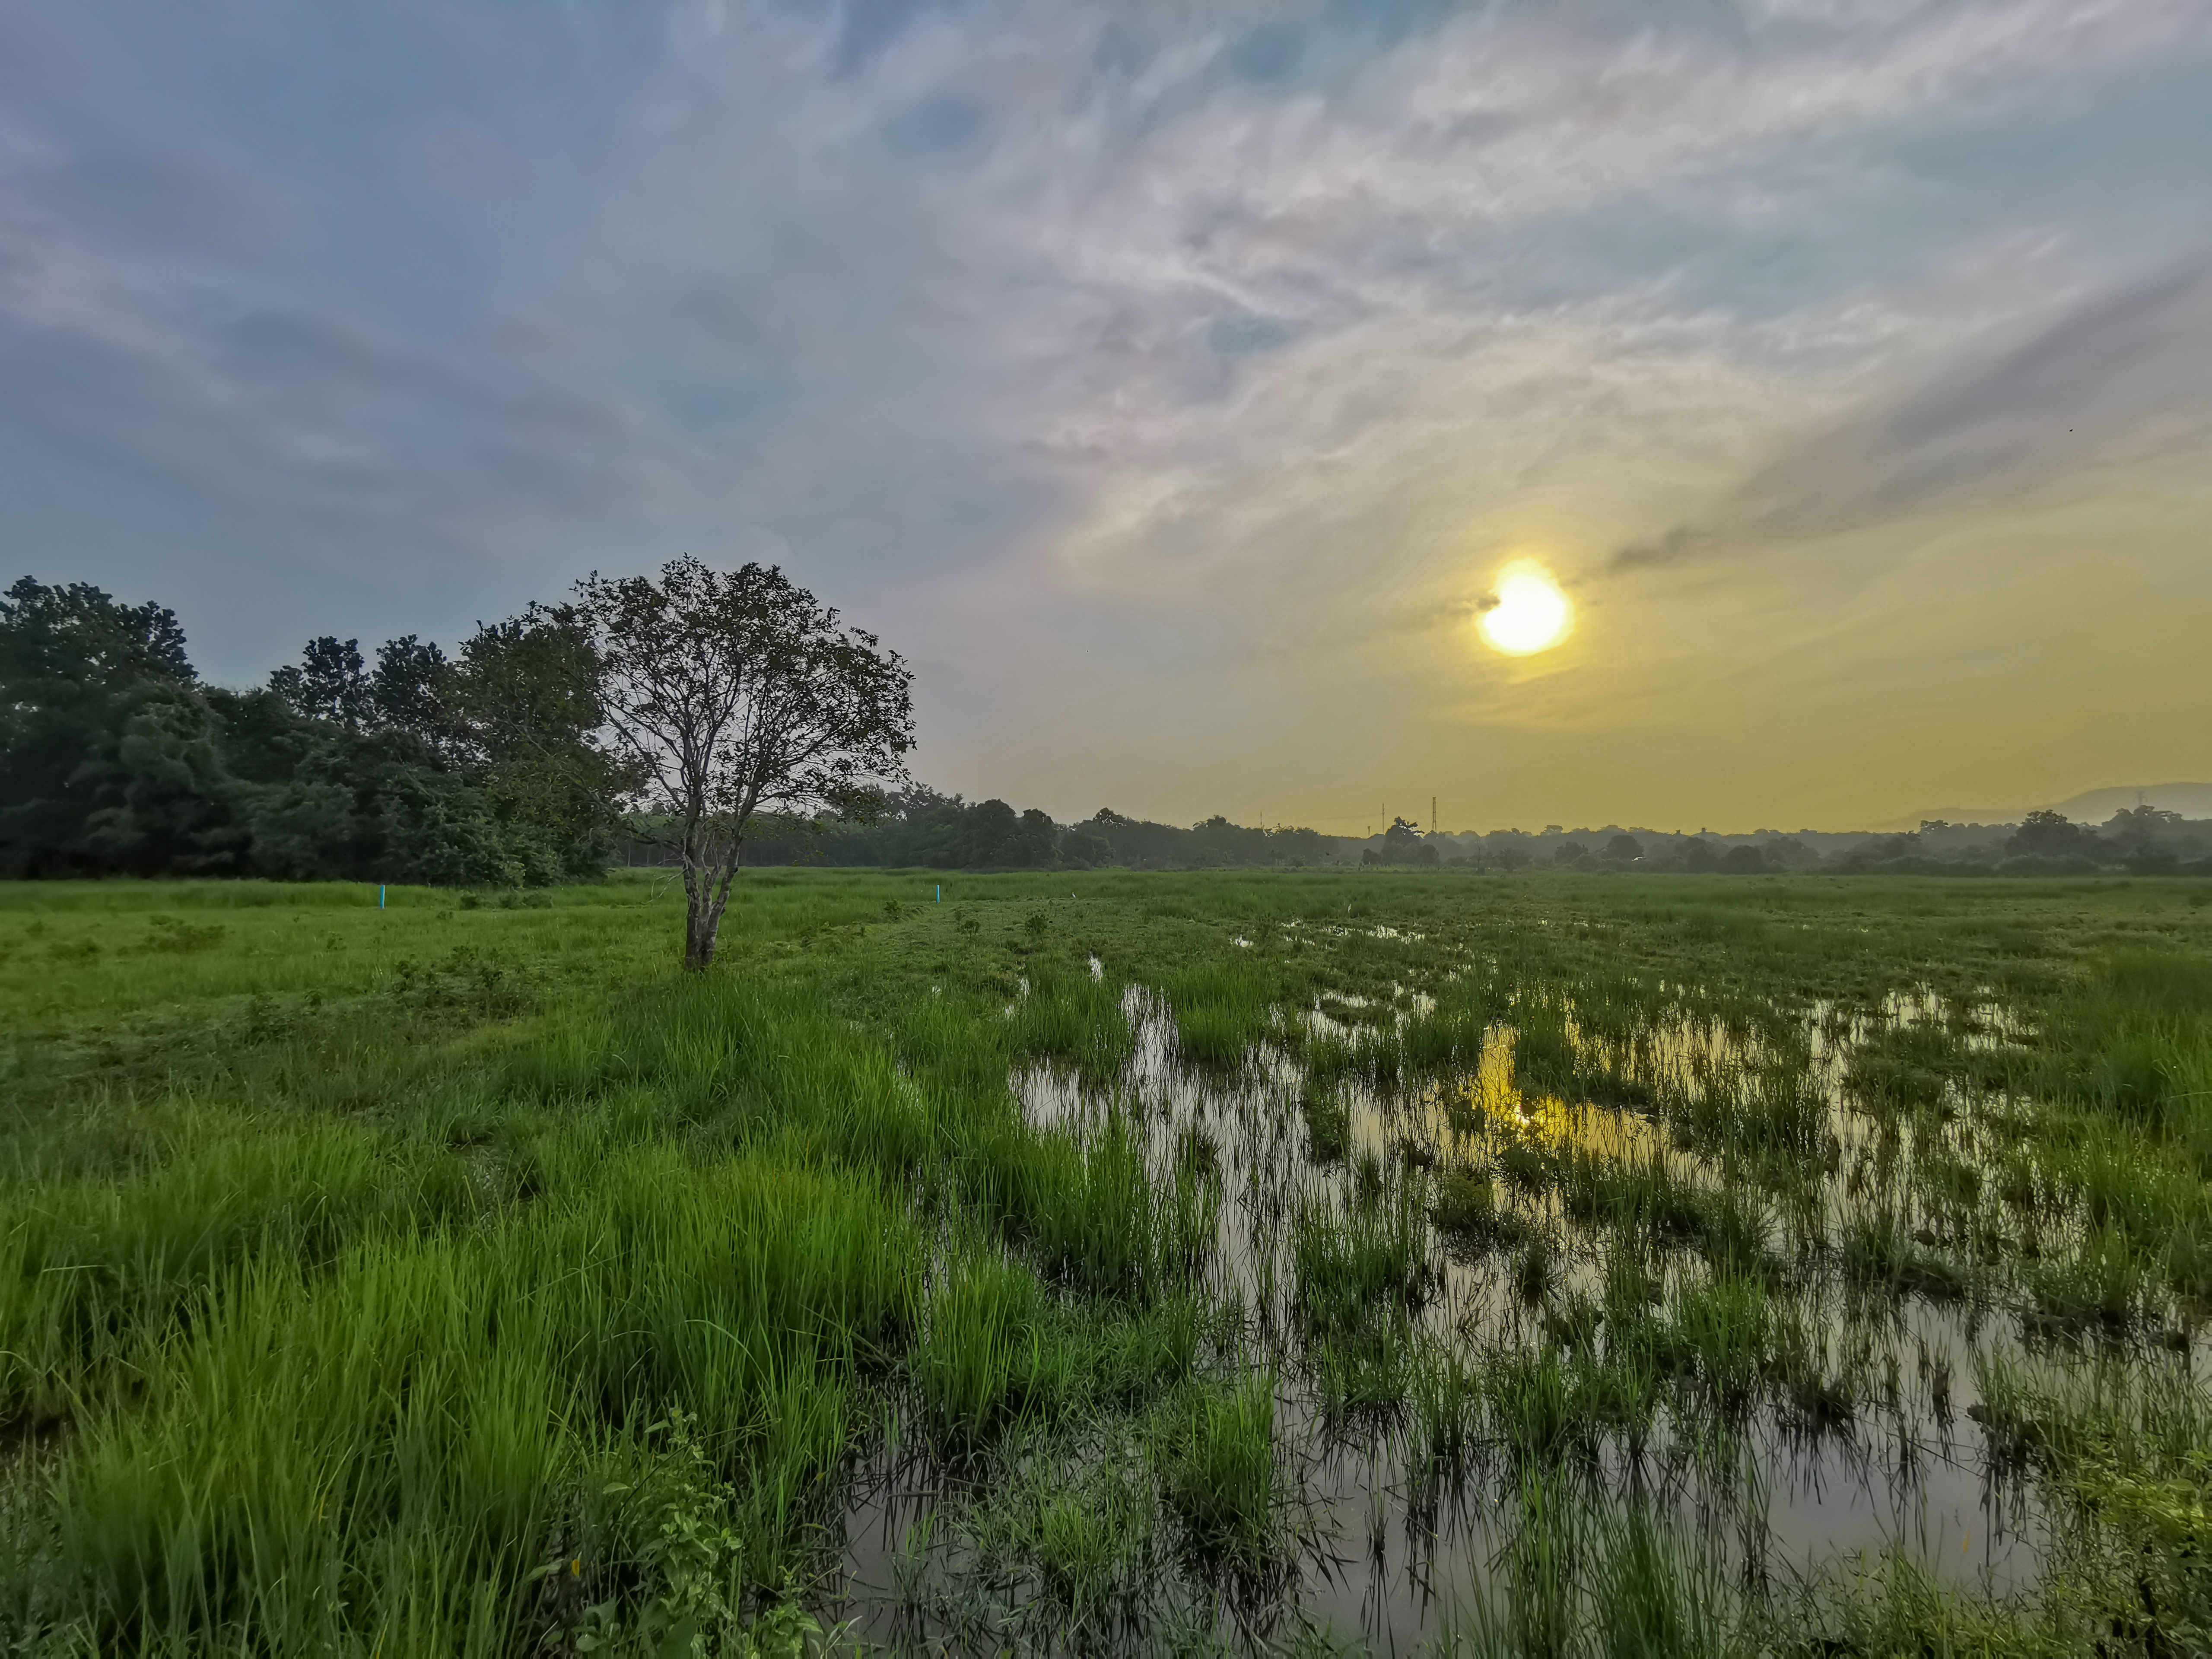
(706, 892)
(700, 926)
(699, 918)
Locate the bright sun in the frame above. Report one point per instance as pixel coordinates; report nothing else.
(1528, 613)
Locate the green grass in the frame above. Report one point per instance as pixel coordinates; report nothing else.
(1328, 1124)
(288, 1471)
(462, 1278)
(1363, 1261)
(1220, 1467)
(1071, 1018)
(1466, 1212)
(988, 1353)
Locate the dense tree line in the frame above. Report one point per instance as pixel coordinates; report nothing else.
(489, 768)
(2143, 840)
(117, 758)
(495, 766)
(919, 828)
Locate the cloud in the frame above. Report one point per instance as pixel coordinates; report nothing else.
(1076, 345)
(2128, 363)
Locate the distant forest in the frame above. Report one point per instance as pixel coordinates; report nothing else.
(484, 769)
(921, 828)
(116, 758)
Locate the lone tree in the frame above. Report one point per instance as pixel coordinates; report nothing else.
(732, 693)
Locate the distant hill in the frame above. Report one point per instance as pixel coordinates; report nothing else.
(2191, 800)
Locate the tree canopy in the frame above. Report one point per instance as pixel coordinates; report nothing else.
(116, 759)
(733, 693)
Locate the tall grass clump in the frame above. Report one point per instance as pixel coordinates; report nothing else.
(2137, 1036)
(1071, 1017)
(1450, 1036)
(986, 1354)
(1328, 1123)
(1775, 1109)
(1638, 1195)
(1904, 1068)
(1656, 1595)
(1362, 1260)
(1608, 1581)
(2101, 1279)
(1445, 1424)
(1220, 1467)
(1544, 1058)
(1328, 1060)
(384, 1451)
(95, 1267)
(1090, 1531)
(1221, 1009)
(1091, 1213)
(957, 1048)
(1723, 1333)
(1878, 1253)
(1467, 1213)
(753, 1061)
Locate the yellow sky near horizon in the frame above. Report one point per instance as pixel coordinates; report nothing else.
(2004, 651)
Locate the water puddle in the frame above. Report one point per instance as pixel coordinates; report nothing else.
(1837, 1324)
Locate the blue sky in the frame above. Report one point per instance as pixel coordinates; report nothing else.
(1169, 383)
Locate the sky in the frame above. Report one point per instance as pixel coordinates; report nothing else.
(1173, 386)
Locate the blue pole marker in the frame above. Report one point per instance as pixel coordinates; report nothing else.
(379, 896)
(941, 892)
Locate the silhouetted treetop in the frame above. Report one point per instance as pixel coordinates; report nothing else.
(329, 683)
(79, 633)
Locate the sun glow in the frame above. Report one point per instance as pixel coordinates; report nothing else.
(1527, 612)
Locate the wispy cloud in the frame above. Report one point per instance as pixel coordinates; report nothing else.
(2134, 363)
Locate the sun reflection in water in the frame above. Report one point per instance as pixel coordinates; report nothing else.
(1507, 1112)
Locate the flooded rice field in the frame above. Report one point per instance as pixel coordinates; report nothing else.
(1106, 1262)
(1771, 1287)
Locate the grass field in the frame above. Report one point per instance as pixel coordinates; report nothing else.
(1554, 1265)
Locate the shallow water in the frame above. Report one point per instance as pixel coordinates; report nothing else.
(1385, 1549)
